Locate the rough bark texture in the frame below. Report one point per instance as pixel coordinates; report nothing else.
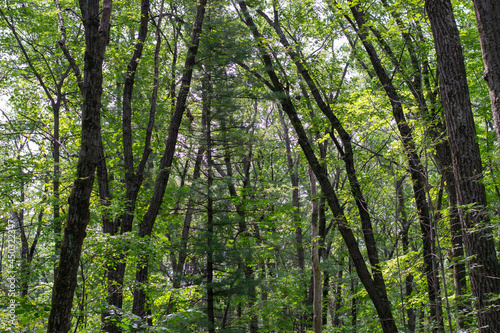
(146, 226)
(96, 39)
(484, 270)
(488, 24)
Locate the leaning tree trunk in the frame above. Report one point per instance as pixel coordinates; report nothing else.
(346, 151)
(484, 269)
(437, 133)
(415, 167)
(96, 40)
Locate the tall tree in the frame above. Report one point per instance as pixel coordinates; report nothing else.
(146, 226)
(315, 242)
(97, 22)
(374, 285)
(484, 268)
(133, 178)
(207, 120)
(415, 165)
(488, 24)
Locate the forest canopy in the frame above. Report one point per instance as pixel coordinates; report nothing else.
(249, 166)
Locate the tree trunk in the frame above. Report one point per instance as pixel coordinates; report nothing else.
(133, 181)
(56, 181)
(415, 167)
(337, 299)
(405, 225)
(315, 241)
(484, 269)
(146, 227)
(245, 261)
(354, 301)
(294, 178)
(374, 287)
(178, 268)
(206, 97)
(96, 39)
(488, 25)
(437, 133)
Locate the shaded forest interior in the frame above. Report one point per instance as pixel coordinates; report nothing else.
(250, 166)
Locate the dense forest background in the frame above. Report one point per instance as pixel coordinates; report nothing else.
(250, 166)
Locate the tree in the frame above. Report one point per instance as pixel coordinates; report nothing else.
(146, 226)
(96, 39)
(374, 285)
(484, 269)
(488, 24)
(203, 159)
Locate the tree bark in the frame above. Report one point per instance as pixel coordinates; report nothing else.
(96, 40)
(484, 269)
(488, 25)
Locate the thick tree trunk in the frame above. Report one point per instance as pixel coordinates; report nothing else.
(488, 24)
(96, 39)
(484, 269)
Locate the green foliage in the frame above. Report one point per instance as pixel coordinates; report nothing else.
(256, 273)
